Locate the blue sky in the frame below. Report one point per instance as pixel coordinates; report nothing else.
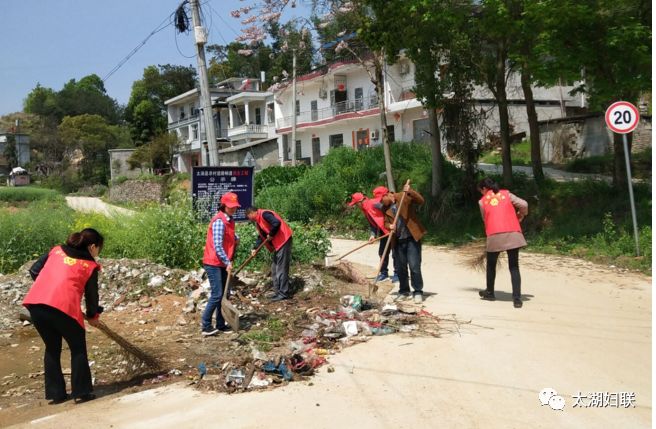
(51, 42)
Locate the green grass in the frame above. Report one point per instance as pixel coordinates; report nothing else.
(28, 193)
(640, 168)
(520, 153)
(267, 336)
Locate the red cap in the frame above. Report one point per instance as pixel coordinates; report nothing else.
(380, 191)
(230, 200)
(356, 198)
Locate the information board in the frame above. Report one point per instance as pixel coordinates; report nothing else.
(209, 183)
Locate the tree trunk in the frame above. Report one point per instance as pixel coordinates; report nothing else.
(437, 173)
(534, 130)
(504, 121)
(620, 180)
(380, 90)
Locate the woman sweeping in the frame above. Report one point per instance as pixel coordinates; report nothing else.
(502, 212)
(60, 278)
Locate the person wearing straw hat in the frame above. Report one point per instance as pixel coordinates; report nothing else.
(277, 236)
(373, 213)
(406, 236)
(502, 212)
(220, 244)
(61, 277)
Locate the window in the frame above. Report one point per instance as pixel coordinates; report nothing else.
(194, 132)
(285, 147)
(336, 140)
(270, 113)
(314, 110)
(359, 102)
(298, 107)
(258, 116)
(390, 132)
(182, 112)
(298, 149)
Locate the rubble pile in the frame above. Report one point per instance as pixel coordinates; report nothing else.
(158, 309)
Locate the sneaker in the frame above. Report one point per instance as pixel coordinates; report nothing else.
(486, 294)
(395, 279)
(381, 277)
(419, 298)
(279, 298)
(402, 297)
(59, 400)
(210, 332)
(517, 303)
(225, 328)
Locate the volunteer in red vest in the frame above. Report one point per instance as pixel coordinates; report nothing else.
(220, 245)
(278, 236)
(61, 277)
(502, 212)
(372, 211)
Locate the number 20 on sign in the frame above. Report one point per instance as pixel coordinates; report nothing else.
(622, 117)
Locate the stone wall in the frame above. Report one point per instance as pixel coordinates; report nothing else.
(137, 191)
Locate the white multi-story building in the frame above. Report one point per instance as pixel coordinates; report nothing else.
(241, 122)
(337, 105)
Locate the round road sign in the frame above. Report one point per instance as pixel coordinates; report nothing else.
(622, 117)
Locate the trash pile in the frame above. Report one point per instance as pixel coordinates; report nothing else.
(158, 309)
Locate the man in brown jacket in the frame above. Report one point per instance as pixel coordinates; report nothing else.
(407, 235)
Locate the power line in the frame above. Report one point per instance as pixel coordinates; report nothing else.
(157, 29)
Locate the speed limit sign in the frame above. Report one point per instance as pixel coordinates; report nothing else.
(622, 117)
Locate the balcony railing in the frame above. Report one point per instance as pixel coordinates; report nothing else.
(183, 121)
(309, 116)
(245, 131)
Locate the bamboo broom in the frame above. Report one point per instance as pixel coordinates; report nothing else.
(130, 348)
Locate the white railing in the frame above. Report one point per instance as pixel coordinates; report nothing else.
(309, 116)
(247, 129)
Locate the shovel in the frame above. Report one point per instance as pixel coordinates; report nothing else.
(373, 287)
(229, 311)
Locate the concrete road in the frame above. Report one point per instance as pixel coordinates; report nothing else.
(585, 330)
(95, 205)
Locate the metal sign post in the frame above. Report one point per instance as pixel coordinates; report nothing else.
(622, 117)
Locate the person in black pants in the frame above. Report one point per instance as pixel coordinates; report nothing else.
(502, 213)
(61, 277)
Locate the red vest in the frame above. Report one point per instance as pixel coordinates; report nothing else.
(61, 283)
(209, 256)
(499, 213)
(375, 217)
(280, 238)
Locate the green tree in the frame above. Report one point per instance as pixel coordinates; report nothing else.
(87, 139)
(157, 154)
(145, 112)
(609, 42)
(10, 154)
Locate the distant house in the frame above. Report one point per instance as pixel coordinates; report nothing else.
(337, 105)
(22, 142)
(243, 125)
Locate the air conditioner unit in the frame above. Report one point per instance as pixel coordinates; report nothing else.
(375, 135)
(323, 94)
(404, 68)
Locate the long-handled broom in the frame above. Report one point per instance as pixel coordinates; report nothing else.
(126, 345)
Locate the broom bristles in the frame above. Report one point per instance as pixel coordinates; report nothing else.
(475, 256)
(133, 350)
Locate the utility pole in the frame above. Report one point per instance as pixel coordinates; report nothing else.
(294, 108)
(205, 98)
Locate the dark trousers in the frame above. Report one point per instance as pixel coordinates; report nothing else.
(280, 268)
(53, 325)
(513, 265)
(381, 248)
(408, 255)
(217, 277)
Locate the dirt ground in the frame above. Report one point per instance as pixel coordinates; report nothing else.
(584, 329)
(159, 326)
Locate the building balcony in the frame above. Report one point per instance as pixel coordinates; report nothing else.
(248, 132)
(183, 121)
(334, 111)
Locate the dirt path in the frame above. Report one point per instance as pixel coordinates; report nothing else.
(95, 205)
(583, 328)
